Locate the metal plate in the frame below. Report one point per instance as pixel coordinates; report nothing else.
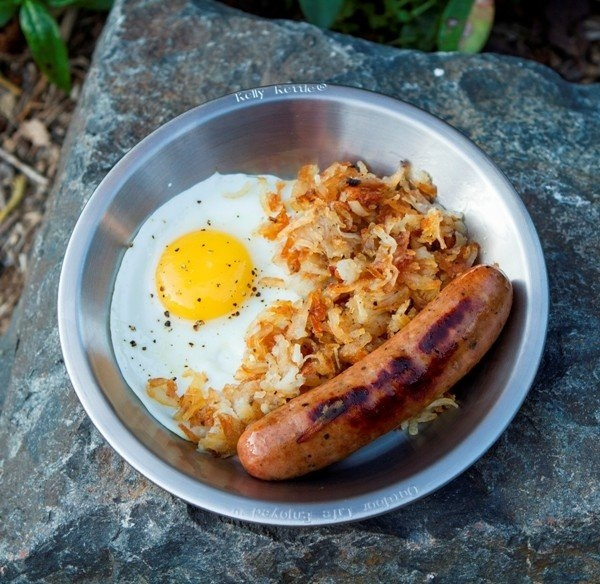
(275, 130)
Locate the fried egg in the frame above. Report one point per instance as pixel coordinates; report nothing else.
(189, 286)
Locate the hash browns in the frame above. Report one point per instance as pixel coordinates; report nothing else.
(368, 254)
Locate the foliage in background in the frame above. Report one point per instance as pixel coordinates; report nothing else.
(321, 13)
(428, 25)
(42, 33)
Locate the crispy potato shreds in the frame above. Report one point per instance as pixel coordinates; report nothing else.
(369, 253)
(206, 417)
(163, 390)
(277, 215)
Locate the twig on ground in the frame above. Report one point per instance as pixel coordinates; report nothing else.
(18, 191)
(30, 102)
(67, 23)
(4, 82)
(8, 223)
(24, 168)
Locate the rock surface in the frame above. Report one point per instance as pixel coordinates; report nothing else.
(528, 511)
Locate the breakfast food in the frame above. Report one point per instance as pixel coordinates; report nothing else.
(393, 383)
(338, 261)
(170, 315)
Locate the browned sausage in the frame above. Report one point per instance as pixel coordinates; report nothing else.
(393, 383)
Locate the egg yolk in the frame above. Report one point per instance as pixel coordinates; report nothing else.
(203, 275)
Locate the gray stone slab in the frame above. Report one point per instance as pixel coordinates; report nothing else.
(8, 348)
(528, 511)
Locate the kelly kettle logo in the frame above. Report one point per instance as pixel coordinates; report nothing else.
(258, 94)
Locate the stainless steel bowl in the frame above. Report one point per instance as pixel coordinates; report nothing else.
(275, 130)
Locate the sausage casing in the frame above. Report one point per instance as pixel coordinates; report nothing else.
(392, 384)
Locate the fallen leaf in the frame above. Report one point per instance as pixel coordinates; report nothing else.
(35, 132)
(8, 103)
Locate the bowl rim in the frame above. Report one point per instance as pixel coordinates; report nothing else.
(383, 500)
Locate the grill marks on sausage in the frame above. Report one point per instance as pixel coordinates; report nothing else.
(329, 410)
(401, 371)
(439, 338)
(404, 380)
(378, 400)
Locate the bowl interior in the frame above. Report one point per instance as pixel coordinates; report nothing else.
(276, 134)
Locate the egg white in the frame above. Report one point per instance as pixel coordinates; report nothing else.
(147, 341)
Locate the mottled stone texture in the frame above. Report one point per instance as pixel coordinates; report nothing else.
(528, 511)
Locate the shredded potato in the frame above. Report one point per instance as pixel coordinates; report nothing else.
(370, 253)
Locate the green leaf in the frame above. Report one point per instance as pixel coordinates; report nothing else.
(59, 3)
(95, 4)
(43, 37)
(478, 27)
(454, 20)
(321, 12)
(89, 4)
(465, 25)
(8, 8)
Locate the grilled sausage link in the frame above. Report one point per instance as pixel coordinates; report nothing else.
(393, 383)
